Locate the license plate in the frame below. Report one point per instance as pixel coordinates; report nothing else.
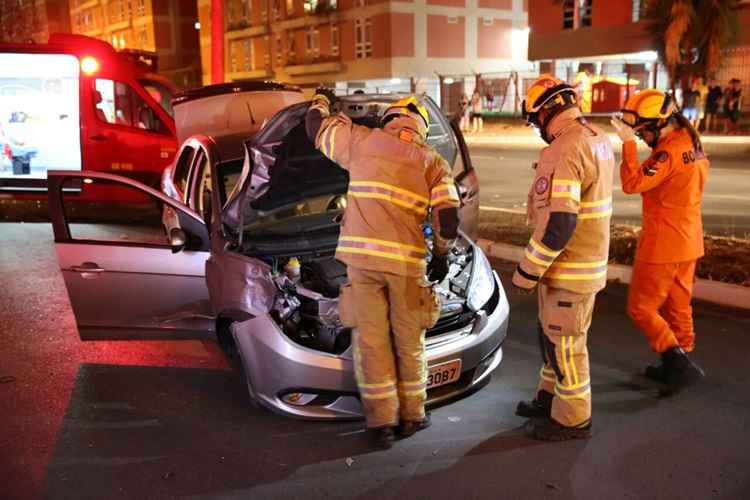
(444, 373)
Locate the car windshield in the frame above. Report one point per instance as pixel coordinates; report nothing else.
(161, 93)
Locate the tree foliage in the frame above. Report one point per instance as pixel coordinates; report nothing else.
(690, 34)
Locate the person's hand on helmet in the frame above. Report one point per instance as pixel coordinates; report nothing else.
(623, 130)
(437, 269)
(327, 93)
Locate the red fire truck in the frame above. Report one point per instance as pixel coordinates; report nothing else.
(77, 103)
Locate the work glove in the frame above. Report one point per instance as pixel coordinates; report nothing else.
(326, 92)
(437, 269)
(623, 130)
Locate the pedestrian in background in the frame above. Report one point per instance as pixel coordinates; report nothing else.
(690, 103)
(713, 101)
(671, 184)
(477, 123)
(396, 181)
(733, 106)
(570, 204)
(702, 89)
(464, 111)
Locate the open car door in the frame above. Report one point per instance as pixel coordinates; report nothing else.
(126, 278)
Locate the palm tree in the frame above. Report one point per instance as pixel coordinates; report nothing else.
(690, 34)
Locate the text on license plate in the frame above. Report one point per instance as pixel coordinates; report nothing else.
(444, 373)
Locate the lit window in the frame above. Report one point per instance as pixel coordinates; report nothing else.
(248, 53)
(363, 38)
(334, 40)
(636, 11)
(140, 7)
(290, 8)
(312, 42)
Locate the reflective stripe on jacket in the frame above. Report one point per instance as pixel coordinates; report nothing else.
(573, 181)
(395, 182)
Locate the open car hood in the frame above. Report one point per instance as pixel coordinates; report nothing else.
(282, 167)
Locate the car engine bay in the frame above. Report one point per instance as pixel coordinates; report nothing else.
(306, 305)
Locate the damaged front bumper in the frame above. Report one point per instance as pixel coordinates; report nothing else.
(297, 381)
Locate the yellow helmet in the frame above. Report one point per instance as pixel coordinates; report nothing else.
(547, 93)
(409, 106)
(647, 106)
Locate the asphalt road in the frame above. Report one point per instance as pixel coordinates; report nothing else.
(505, 175)
(170, 419)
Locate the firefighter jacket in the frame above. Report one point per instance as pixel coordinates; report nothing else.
(570, 205)
(395, 182)
(671, 184)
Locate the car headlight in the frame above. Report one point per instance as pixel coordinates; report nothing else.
(482, 283)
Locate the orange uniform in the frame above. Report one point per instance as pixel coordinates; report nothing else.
(671, 183)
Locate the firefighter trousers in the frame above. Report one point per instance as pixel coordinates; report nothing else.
(389, 314)
(564, 320)
(659, 304)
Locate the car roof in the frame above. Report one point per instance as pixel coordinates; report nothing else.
(227, 88)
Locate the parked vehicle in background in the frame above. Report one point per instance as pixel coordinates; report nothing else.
(249, 259)
(82, 105)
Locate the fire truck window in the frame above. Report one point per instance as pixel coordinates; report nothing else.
(160, 93)
(117, 103)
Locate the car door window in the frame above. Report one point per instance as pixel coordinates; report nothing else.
(182, 168)
(128, 216)
(201, 187)
(229, 174)
(118, 104)
(440, 135)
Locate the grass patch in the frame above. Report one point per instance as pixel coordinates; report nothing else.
(727, 259)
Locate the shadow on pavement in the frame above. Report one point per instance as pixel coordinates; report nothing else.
(145, 432)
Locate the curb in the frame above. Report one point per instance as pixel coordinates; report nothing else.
(725, 294)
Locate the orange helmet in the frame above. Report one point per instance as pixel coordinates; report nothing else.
(547, 93)
(649, 110)
(647, 106)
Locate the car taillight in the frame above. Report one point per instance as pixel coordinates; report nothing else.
(7, 152)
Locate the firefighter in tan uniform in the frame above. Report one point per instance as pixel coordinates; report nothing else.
(570, 204)
(396, 182)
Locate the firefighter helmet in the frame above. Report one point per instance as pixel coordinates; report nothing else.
(647, 106)
(410, 107)
(549, 94)
(649, 110)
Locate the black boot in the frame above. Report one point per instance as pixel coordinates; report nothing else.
(410, 427)
(550, 430)
(657, 373)
(539, 407)
(681, 372)
(382, 437)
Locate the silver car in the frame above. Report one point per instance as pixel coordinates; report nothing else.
(231, 272)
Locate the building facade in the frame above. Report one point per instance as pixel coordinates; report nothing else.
(373, 45)
(166, 27)
(611, 38)
(32, 20)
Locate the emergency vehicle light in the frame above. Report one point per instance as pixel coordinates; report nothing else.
(89, 65)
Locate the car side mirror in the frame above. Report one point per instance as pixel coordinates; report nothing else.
(177, 239)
